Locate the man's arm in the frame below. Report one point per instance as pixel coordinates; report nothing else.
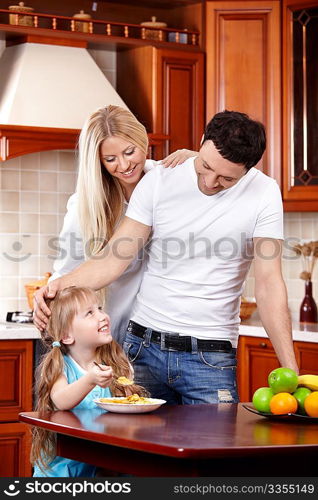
(112, 261)
(271, 298)
(99, 271)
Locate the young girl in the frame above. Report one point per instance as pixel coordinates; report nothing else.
(78, 334)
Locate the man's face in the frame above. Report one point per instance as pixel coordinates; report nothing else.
(214, 172)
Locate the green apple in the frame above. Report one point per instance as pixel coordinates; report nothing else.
(283, 380)
(261, 399)
(300, 394)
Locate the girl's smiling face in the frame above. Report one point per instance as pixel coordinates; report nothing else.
(90, 327)
(122, 159)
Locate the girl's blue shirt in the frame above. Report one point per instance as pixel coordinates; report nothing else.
(64, 467)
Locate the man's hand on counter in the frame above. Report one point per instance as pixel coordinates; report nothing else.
(41, 311)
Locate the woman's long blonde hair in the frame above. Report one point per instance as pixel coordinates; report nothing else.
(63, 308)
(100, 196)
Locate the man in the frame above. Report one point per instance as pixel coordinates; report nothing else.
(209, 218)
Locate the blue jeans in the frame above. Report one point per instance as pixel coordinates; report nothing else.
(182, 377)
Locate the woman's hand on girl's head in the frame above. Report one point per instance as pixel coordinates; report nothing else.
(100, 375)
(41, 311)
(177, 157)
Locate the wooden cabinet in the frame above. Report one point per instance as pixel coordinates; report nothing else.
(300, 105)
(16, 375)
(165, 90)
(256, 359)
(243, 67)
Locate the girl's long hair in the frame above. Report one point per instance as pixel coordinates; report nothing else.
(63, 308)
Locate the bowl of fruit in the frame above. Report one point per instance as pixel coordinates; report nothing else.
(287, 396)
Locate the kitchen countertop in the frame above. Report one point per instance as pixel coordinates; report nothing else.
(18, 331)
(252, 327)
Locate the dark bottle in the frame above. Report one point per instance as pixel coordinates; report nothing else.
(308, 309)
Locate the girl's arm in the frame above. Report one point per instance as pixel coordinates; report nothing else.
(66, 396)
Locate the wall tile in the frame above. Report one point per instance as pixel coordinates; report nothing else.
(10, 179)
(29, 267)
(9, 223)
(66, 182)
(29, 223)
(48, 244)
(8, 305)
(14, 163)
(8, 266)
(9, 288)
(48, 224)
(48, 181)
(23, 305)
(46, 265)
(29, 202)
(30, 162)
(9, 201)
(48, 202)
(67, 161)
(29, 181)
(48, 160)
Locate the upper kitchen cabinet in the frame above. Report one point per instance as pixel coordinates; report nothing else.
(243, 67)
(300, 105)
(165, 90)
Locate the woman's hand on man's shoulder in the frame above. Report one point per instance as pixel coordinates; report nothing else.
(178, 157)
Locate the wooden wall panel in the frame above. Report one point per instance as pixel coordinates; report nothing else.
(243, 67)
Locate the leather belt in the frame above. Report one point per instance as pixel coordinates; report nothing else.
(177, 342)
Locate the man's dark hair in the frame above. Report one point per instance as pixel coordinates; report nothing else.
(237, 137)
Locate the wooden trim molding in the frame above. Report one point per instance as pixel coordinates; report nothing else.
(18, 140)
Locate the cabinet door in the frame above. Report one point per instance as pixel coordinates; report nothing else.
(180, 87)
(300, 105)
(16, 375)
(15, 446)
(307, 357)
(256, 359)
(243, 67)
(165, 90)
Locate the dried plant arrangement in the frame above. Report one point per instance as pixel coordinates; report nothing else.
(309, 255)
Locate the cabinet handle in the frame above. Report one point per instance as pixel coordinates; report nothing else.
(263, 345)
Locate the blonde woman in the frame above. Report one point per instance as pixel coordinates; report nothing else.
(113, 147)
(78, 336)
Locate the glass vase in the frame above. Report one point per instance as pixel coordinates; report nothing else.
(308, 309)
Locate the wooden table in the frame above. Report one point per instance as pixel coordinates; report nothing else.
(180, 441)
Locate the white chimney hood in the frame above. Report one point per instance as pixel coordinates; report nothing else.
(51, 86)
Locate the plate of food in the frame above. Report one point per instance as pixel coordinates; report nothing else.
(284, 416)
(129, 404)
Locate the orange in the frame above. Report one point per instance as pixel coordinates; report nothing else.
(311, 404)
(283, 402)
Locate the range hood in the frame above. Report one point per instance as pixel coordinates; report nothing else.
(56, 86)
(47, 91)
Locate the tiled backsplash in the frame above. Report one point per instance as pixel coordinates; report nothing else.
(33, 196)
(297, 226)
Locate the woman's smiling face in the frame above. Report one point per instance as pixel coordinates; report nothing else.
(122, 159)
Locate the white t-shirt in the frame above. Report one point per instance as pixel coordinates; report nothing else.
(201, 248)
(122, 293)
